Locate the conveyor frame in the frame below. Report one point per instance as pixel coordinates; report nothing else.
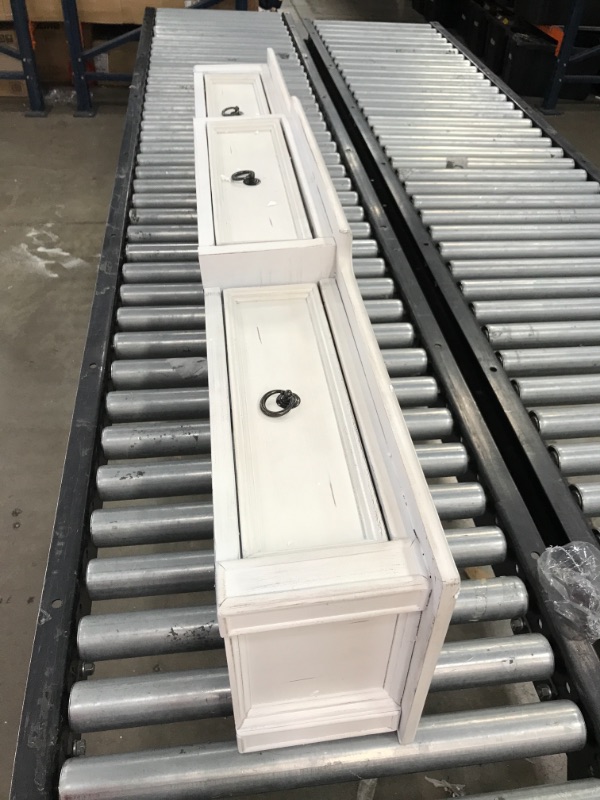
(44, 737)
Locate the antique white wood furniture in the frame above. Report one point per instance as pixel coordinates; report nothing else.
(334, 582)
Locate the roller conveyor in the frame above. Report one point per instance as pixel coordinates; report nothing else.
(529, 275)
(150, 485)
(528, 269)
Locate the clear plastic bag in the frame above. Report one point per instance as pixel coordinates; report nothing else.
(571, 578)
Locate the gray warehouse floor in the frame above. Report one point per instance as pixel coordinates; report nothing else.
(56, 177)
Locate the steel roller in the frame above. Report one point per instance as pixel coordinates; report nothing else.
(576, 458)
(384, 126)
(171, 344)
(161, 318)
(181, 572)
(216, 771)
(163, 187)
(543, 334)
(530, 186)
(521, 249)
(150, 575)
(512, 233)
(115, 703)
(550, 360)
(500, 201)
(184, 403)
(525, 268)
(153, 524)
(428, 423)
(530, 288)
(549, 391)
(177, 522)
(565, 309)
(159, 344)
(188, 233)
(587, 496)
(187, 294)
(163, 201)
(464, 133)
(166, 373)
(144, 217)
(409, 164)
(159, 373)
(170, 251)
(137, 480)
(131, 634)
(501, 215)
(498, 176)
(156, 439)
(567, 422)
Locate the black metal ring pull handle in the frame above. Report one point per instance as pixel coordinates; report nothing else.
(246, 176)
(286, 400)
(232, 111)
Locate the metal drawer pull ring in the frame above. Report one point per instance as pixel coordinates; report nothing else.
(232, 111)
(286, 400)
(247, 176)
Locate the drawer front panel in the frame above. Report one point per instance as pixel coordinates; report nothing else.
(302, 478)
(270, 211)
(314, 664)
(228, 90)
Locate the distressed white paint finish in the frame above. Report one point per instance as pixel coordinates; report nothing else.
(244, 92)
(310, 636)
(224, 490)
(271, 211)
(276, 232)
(312, 459)
(335, 585)
(218, 86)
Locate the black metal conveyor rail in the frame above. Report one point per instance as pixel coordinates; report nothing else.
(143, 486)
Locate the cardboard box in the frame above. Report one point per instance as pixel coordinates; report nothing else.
(52, 51)
(108, 12)
(133, 10)
(5, 11)
(8, 38)
(44, 10)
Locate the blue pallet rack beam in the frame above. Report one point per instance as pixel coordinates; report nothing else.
(566, 58)
(80, 57)
(26, 56)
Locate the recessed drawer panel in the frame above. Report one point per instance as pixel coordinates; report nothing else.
(255, 194)
(227, 92)
(302, 478)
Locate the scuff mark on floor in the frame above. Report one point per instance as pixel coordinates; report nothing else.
(40, 252)
(64, 258)
(33, 261)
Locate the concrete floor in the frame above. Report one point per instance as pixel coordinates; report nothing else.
(56, 177)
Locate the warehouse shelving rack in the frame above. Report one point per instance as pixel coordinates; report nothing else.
(81, 57)
(26, 55)
(566, 57)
